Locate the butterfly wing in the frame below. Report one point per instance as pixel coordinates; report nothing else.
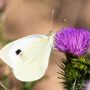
(33, 61)
(8, 50)
(4, 54)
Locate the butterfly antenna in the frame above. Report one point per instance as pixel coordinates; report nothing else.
(51, 25)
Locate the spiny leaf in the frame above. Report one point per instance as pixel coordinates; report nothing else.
(75, 72)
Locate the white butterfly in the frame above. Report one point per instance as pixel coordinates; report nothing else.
(29, 56)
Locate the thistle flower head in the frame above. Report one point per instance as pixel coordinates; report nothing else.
(74, 41)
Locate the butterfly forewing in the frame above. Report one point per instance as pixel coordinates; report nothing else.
(32, 62)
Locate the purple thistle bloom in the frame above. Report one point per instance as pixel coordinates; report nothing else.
(74, 41)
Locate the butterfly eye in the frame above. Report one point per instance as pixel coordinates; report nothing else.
(18, 52)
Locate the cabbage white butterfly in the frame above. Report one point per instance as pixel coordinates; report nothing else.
(29, 56)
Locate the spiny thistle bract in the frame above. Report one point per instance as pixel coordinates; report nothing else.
(74, 42)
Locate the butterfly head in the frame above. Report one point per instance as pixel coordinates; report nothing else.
(51, 37)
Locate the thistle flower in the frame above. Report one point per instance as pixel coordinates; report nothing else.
(76, 69)
(73, 40)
